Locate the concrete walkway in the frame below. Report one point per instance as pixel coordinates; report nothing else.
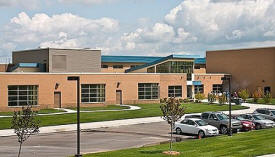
(115, 123)
(67, 111)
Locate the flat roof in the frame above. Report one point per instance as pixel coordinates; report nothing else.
(271, 47)
(48, 48)
(129, 59)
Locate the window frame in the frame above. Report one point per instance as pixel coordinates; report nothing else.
(118, 66)
(33, 89)
(98, 88)
(175, 94)
(215, 88)
(154, 88)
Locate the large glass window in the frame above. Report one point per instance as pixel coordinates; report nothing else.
(22, 95)
(91, 93)
(199, 89)
(175, 67)
(117, 66)
(148, 91)
(217, 88)
(151, 70)
(174, 91)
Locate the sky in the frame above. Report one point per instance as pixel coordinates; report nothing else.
(137, 27)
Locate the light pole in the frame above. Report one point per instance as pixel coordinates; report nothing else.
(77, 79)
(228, 78)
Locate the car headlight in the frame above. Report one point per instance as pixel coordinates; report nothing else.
(247, 125)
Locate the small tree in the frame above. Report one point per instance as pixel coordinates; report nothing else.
(172, 111)
(222, 99)
(257, 94)
(244, 94)
(199, 96)
(25, 124)
(211, 98)
(267, 98)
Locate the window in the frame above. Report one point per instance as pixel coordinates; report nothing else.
(197, 67)
(217, 88)
(151, 70)
(175, 67)
(190, 122)
(174, 91)
(199, 89)
(148, 91)
(267, 90)
(22, 95)
(104, 66)
(205, 115)
(132, 66)
(213, 117)
(91, 93)
(117, 66)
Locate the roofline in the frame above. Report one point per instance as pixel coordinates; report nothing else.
(252, 48)
(87, 73)
(48, 48)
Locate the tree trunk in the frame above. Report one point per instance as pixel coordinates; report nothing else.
(19, 149)
(171, 125)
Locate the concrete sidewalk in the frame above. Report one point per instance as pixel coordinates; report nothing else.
(115, 123)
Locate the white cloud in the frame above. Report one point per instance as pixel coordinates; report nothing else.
(196, 25)
(29, 4)
(87, 1)
(60, 31)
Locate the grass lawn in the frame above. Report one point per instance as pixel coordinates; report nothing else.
(261, 101)
(148, 110)
(247, 144)
(42, 111)
(109, 107)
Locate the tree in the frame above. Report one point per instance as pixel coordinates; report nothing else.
(199, 96)
(267, 98)
(211, 98)
(257, 94)
(25, 124)
(172, 111)
(222, 99)
(244, 94)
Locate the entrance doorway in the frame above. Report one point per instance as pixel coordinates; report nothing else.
(267, 90)
(57, 99)
(189, 91)
(118, 97)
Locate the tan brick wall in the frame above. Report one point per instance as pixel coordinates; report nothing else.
(250, 68)
(128, 83)
(208, 80)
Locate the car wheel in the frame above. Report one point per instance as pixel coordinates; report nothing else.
(258, 126)
(201, 134)
(178, 131)
(223, 130)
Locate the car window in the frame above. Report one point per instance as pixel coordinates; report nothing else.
(205, 115)
(201, 123)
(261, 111)
(222, 116)
(258, 117)
(273, 112)
(212, 117)
(240, 118)
(190, 122)
(184, 122)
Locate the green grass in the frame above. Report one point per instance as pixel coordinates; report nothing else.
(261, 101)
(109, 107)
(42, 111)
(247, 144)
(148, 110)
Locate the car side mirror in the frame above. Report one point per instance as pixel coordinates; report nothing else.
(216, 119)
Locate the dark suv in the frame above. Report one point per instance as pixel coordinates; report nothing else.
(221, 121)
(266, 113)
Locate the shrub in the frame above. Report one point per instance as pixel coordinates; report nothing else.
(267, 98)
(257, 94)
(211, 98)
(199, 97)
(244, 94)
(222, 99)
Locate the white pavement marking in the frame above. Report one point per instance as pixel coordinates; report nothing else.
(116, 123)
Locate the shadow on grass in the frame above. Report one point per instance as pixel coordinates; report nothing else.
(151, 151)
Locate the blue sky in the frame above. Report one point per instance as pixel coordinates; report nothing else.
(137, 27)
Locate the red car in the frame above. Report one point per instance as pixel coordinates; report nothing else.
(246, 124)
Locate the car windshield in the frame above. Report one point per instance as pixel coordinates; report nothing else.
(240, 118)
(257, 117)
(201, 122)
(273, 112)
(222, 116)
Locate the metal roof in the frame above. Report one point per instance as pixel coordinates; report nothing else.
(129, 59)
(200, 61)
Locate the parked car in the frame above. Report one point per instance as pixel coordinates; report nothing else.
(259, 121)
(247, 125)
(236, 100)
(195, 126)
(221, 121)
(193, 116)
(266, 113)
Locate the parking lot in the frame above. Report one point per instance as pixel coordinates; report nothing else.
(103, 139)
